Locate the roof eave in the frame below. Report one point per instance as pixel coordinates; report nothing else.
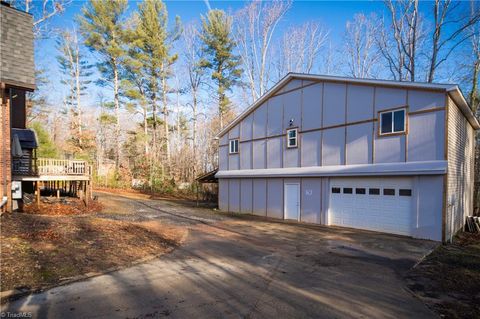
(460, 101)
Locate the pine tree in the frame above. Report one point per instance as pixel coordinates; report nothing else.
(102, 27)
(223, 63)
(76, 71)
(150, 64)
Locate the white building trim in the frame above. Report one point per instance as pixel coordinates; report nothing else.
(384, 169)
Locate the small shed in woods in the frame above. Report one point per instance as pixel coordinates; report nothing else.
(209, 186)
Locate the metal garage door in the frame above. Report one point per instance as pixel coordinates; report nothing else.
(379, 204)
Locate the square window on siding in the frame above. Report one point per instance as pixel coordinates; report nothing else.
(347, 190)
(374, 191)
(393, 122)
(335, 190)
(389, 191)
(233, 146)
(360, 191)
(292, 138)
(405, 192)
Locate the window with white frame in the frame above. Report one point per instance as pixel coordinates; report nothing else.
(393, 122)
(233, 146)
(292, 137)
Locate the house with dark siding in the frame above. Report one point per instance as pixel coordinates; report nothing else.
(17, 77)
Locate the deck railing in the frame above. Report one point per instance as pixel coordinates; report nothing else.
(28, 165)
(51, 166)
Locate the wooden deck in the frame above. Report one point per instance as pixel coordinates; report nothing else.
(49, 169)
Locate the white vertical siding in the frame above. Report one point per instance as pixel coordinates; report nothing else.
(274, 151)
(260, 197)
(310, 148)
(334, 98)
(387, 98)
(312, 107)
(245, 155)
(460, 170)
(359, 103)
(426, 137)
(234, 195)
(246, 193)
(292, 106)
(359, 144)
(223, 194)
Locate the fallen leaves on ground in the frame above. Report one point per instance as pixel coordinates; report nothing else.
(73, 207)
(39, 251)
(448, 279)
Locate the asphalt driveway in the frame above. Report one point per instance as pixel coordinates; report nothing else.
(244, 267)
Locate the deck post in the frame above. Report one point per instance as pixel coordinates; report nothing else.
(37, 190)
(87, 193)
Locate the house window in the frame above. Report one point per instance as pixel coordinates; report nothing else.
(347, 190)
(233, 146)
(292, 136)
(374, 191)
(392, 122)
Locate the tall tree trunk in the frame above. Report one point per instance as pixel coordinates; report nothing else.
(221, 98)
(194, 137)
(435, 39)
(165, 119)
(78, 91)
(474, 98)
(117, 113)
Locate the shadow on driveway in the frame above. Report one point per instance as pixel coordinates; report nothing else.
(250, 268)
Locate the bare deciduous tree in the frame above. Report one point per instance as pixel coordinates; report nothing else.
(193, 56)
(255, 27)
(399, 44)
(300, 48)
(443, 42)
(360, 47)
(42, 11)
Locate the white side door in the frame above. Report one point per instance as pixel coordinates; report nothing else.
(292, 201)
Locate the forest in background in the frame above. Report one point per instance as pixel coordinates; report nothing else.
(168, 87)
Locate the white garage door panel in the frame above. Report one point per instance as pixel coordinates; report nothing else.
(385, 213)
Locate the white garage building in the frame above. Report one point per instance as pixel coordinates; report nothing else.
(386, 156)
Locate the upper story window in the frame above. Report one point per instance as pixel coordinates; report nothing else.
(292, 137)
(233, 146)
(393, 122)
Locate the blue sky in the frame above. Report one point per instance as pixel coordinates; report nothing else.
(333, 15)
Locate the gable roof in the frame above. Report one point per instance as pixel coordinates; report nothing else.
(452, 90)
